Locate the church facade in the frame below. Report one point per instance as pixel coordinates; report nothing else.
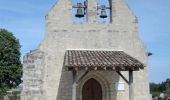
(91, 51)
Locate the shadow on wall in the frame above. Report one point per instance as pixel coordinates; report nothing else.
(65, 85)
(107, 80)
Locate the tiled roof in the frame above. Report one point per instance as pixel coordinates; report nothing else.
(100, 60)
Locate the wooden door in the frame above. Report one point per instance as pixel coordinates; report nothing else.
(92, 90)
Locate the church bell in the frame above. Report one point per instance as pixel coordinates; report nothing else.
(103, 12)
(80, 12)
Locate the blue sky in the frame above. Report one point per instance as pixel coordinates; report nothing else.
(26, 19)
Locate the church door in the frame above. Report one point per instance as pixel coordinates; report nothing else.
(92, 90)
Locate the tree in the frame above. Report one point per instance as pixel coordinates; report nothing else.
(167, 86)
(156, 89)
(10, 64)
(153, 87)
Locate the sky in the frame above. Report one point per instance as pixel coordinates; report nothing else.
(26, 19)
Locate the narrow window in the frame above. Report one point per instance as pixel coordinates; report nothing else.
(104, 11)
(79, 11)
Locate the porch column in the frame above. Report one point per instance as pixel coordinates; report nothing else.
(74, 86)
(131, 95)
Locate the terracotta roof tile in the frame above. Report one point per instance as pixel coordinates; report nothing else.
(100, 60)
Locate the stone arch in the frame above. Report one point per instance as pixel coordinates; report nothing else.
(101, 79)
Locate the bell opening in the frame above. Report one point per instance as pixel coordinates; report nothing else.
(79, 9)
(104, 11)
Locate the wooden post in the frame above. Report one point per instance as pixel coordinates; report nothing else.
(131, 95)
(74, 86)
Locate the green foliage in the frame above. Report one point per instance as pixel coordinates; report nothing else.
(155, 94)
(156, 89)
(10, 64)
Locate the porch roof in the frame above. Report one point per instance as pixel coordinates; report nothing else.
(100, 60)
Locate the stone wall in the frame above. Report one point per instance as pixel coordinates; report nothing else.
(33, 77)
(61, 35)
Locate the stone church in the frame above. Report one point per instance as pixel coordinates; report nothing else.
(91, 51)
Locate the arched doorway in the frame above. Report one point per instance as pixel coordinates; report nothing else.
(92, 90)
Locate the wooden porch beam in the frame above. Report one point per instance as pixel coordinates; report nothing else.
(123, 77)
(131, 94)
(75, 82)
(130, 83)
(82, 77)
(74, 85)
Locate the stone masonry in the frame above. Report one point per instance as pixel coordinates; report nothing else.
(44, 76)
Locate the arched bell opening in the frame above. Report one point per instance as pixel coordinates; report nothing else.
(104, 11)
(79, 11)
